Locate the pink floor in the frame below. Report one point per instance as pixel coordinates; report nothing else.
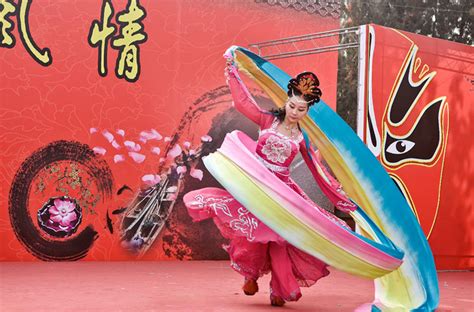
(184, 286)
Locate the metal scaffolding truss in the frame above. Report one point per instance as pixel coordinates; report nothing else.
(320, 42)
(325, 8)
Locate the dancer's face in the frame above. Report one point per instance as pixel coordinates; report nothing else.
(296, 108)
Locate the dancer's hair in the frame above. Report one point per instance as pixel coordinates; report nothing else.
(305, 85)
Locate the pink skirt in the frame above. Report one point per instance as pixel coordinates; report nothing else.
(254, 248)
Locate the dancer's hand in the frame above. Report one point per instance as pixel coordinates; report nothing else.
(346, 207)
(229, 70)
(229, 54)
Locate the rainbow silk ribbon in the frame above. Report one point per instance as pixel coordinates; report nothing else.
(389, 245)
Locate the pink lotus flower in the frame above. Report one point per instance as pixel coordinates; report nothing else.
(137, 157)
(60, 216)
(63, 212)
(99, 150)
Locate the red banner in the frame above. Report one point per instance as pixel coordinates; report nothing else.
(415, 117)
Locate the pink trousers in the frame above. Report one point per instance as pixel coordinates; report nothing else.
(290, 267)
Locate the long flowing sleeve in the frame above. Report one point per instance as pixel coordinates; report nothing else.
(339, 200)
(243, 100)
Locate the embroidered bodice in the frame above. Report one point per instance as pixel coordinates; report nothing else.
(275, 149)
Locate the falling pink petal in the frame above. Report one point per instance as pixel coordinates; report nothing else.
(206, 138)
(121, 132)
(118, 158)
(172, 189)
(181, 169)
(99, 150)
(157, 135)
(146, 135)
(167, 139)
(92, 130)
(148, 178)
(137, 157)
(109, 136)
(196, 173)
(156, 150)
(115, 144)
(150, 135)
(132, 146)
(175, 151)
(129, 144)
(192, 152)
(151, 179)
(187, 145)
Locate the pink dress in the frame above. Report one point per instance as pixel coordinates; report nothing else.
(254, 248)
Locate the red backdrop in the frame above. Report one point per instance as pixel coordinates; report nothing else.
(172, 82)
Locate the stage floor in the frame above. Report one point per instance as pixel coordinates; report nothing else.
(184, 286)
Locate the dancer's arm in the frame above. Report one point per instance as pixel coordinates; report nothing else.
(243, 100)
(341, 201)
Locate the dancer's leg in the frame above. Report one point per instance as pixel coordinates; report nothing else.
(283, 283)
(250, 260)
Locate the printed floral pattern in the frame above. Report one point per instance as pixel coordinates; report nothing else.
(245, 223)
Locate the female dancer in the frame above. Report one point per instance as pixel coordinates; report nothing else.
(253, 252)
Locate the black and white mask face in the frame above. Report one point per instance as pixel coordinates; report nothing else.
(412, 130)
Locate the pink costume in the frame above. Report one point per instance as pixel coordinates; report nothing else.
(254, 248)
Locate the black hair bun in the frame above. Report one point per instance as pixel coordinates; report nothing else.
(305, 85)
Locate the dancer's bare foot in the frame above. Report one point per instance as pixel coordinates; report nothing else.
(250, 287)
(276, 301)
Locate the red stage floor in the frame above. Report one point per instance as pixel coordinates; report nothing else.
(184, 286)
